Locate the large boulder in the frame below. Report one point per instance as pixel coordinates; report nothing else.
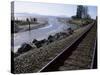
(70, 31)
(24, 48)
(60, 35)
(63, 35)
(50, 38)
(40, 43)
(34, 41)
(57, 36)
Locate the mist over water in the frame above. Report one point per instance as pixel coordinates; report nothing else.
(54, 26)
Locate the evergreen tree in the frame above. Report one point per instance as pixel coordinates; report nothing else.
(27, 20)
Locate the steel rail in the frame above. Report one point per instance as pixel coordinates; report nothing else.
(94, 55)
(48, 67)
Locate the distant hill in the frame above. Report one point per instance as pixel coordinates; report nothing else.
(26, 15)
(35, 15)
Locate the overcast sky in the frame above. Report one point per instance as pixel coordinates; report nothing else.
(50, 9)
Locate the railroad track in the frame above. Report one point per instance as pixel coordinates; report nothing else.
(81, 54)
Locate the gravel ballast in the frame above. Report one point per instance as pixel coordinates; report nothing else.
(35, 59)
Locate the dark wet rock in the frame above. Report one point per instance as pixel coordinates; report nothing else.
(60, 35)
(70, 31)
(24, 48)
(50, 38)
(34, 41)
(57, 36)
(40, 43)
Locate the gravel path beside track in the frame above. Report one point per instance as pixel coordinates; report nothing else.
(35, 59)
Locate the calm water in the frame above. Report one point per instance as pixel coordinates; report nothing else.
(53, 27)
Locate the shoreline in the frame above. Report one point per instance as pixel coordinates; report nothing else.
(15, 49)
